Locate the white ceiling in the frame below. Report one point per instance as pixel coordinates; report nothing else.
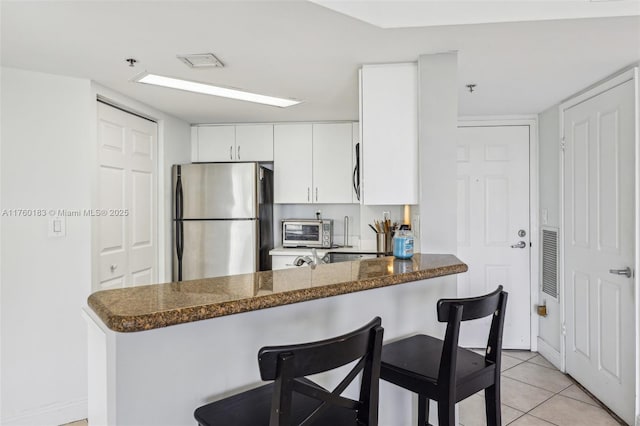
(425, 13)
(302, 50)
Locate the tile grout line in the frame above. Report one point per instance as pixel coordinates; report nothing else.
(564, 396)
(538, 387)
(544, 420)
(601, 405)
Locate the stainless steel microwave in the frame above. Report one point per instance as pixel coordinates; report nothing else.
(307, 233)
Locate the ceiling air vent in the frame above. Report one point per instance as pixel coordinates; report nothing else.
(550, 262)
(201, 60)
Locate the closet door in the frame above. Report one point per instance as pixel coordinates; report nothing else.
(125, 216)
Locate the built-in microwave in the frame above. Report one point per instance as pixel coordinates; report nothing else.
(307, 233)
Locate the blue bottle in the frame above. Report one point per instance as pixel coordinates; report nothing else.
(403, 244)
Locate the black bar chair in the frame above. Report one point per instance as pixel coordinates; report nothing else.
(441, 371)
(292, 399)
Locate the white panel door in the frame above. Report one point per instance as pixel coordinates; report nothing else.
(126, 227)
(112, 243)
(599, 237)
(332, 172)
(493, 211)
(254, 142)
(292, 163)
(216, 143)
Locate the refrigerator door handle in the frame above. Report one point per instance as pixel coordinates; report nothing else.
(179, 246)
(178, 195)
(356, 173)
(179, 224)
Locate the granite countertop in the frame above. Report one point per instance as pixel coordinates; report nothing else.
(161, 305)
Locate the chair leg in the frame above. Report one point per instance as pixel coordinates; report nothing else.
(492, 405)
(446, 413)
(423, 411)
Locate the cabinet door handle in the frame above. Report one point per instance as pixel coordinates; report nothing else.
(316, 193)
(238, 152)
(230, 152)
(308, 194)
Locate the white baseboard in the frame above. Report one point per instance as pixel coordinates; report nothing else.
(549, 352)
(54, 414)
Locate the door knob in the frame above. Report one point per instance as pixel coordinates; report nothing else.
(626, 272)
(113, 267)
(520, 244)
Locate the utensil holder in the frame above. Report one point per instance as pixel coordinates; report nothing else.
(380, 243)
(384, 242)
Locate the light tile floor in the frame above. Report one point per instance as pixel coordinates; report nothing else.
(535, 393)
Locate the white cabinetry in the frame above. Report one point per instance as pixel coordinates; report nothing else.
(251, 142)
(292, 163)
(254, 142)
(313, 163)
(282, 262)
(215, 143)
(332, 165)
(389, 120)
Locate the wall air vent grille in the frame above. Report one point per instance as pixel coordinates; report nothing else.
(550, 262)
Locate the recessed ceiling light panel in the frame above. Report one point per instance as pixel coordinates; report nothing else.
(201, 60)
(209, 89)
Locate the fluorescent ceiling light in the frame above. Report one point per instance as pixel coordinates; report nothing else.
(208, 89)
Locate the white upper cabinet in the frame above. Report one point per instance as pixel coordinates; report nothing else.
(389, 120)
(313, 163)
(233, 143)
(254, 142)
(215, 143)
(292, 163)
(332, 163)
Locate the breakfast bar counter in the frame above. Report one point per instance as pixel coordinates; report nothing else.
(157, 352)
(161, 305)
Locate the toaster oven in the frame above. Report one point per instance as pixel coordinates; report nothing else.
(316, 233)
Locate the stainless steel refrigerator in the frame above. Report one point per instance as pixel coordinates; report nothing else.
(222, 219)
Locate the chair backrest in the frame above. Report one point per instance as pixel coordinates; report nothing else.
(288, 366)
(453, 312)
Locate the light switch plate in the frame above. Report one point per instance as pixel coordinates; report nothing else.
(545, 216)
(57, 226)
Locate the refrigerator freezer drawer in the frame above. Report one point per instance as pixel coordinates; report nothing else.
(214, 248)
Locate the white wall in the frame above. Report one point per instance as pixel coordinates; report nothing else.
(437, 136)
(176, 149)
(45, 165)
(48, 158)
(549, 189)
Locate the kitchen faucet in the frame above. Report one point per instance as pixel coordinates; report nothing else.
(311, 261)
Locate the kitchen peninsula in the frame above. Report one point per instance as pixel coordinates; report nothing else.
(157, 352)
